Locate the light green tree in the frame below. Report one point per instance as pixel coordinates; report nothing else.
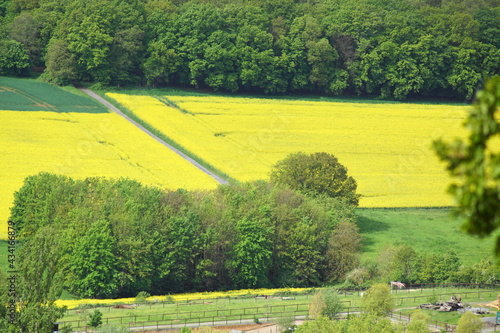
(321, 324)
(6, 324)
(251, 255)
(316, 174)
(26, 30)
(333, 302)
(469, 323)
(317, 306)
(95, 318)
(343, 250)
(13, 58)
(60, 63)
(476, 164)
(160, 64)
(92, 262)
(320, 56)
(372, 324)
(142, 297)
(325, 303)
(378, 300)
(419, 323)
(40, 281)
(405, 264)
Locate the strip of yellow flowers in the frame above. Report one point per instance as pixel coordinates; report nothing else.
(84, 145)
(71, 304)
(386, 147)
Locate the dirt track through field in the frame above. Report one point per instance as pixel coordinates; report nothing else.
(111, 107)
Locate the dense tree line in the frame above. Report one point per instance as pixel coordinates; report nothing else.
(118, 237)
(403, 263)
(390, 48)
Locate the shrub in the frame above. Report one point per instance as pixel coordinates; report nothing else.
(141, 297)
(95, 319)
(378, 300)
(419, 323)
(325, 303)
(469, 323)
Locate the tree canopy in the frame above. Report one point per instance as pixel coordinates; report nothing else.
(316, 174)
(476, 164)
(118, 237)
(469, 323)
(393, 49)
(378, 300)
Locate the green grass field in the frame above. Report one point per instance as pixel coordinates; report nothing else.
(220, 310)
(428, 230)
(32, 95)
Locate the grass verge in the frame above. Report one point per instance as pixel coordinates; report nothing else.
(165, 138)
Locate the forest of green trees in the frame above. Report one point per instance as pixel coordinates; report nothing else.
(118, 237)
(388, 48)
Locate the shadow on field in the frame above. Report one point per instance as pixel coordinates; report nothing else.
(368, 226)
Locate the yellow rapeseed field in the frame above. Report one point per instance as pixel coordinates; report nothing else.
(71, 304)
(385, 146)
(84, 145)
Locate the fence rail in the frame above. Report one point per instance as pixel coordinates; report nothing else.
(136, 322)
(478, 292)
(410, 287)
(170, 320)
(433, 323)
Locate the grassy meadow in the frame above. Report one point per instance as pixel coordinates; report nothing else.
(385, 146)
(426, 230)
(44, 128)
(219, 306)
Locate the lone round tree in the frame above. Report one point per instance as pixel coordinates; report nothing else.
(316, 174)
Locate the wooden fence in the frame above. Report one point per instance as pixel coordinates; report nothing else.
(240, 315)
